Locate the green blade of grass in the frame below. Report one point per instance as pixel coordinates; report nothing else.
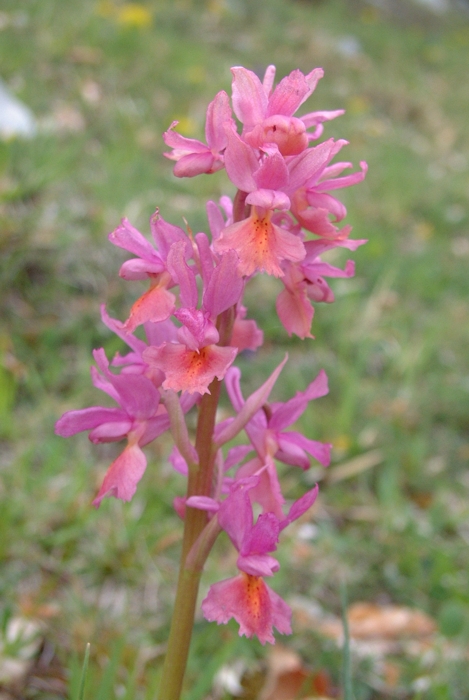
(109, 676)
(84, 671)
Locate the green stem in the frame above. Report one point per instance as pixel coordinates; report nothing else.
(180, 635)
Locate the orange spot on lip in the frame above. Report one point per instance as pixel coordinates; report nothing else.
(197, 361)
(255, 595)
(260, 244)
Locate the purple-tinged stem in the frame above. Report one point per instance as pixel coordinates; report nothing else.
(240, 208)
(200, 484)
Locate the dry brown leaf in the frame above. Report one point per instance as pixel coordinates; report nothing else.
(367, 620)
(377, 628)
(280, 661)
(288, 679)
(32, 608)
(391, 674)
(291, 685)
(423, 499)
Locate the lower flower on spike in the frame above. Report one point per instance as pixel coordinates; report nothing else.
(252, 603)
(190, 370)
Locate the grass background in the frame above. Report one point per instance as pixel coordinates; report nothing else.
(104, 80)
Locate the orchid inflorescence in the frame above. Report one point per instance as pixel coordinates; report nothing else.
(281, 220)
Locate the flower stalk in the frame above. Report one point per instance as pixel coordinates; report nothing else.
(182, 622)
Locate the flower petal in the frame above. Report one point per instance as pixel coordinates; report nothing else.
(260, 244)
(190, 370)
(123, 475)
(225, 286)
(295, 311)
(73, 422)
(155, 305)
(246, 409)
(300, 506)
(240, 162)
(127, 237)
(248, 96)
(289, 94)
(218, 114)
(284, 414)
(197, 164)
(255, 607)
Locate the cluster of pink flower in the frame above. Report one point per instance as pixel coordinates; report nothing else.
(195, 325)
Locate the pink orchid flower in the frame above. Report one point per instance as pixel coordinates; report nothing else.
(246, 597)
(246, 334)
(271, 120)
(195, 324)
(133, 361)
(269, 183)
(140, 419)
(304, 282)
(192, 363)
(194, 157)
(266, 115)
(157, 303)
(266, 429)
(260, 244)
(312, 204)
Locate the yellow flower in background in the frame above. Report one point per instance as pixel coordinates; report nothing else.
(131, 14)
(217, 7)
(187, 125)
(342, 443)
(358, 105)
(134, 15)
(196, 75)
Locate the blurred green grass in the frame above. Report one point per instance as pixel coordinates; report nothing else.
(394, 344)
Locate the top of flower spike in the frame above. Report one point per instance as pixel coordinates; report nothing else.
(266, 115)
(253, 101)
